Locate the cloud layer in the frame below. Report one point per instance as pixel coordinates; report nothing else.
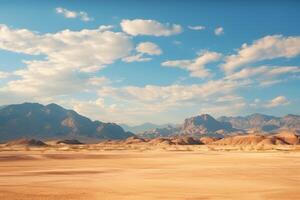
(266, 48)
(69, 55)
(196, 67)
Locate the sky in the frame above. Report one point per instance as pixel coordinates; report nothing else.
(152, 61)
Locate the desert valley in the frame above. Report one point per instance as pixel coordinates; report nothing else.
(203, 158)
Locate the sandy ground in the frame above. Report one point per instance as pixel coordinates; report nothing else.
(125, 175)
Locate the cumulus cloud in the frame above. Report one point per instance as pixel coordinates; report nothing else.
(149, 27)
(157, 101)
(197, 28)
(266, 48)
(69, 58)
(73, 14)
(278, 101)
(196, 67)
(172, 94)
(136, 58)
(265, 72)
(219, 31)
(143, 48)
(148, 48)
(265, 75)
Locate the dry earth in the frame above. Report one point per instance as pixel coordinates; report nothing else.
(153, 174)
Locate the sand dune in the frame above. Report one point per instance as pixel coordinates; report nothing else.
(282, 138)
(26, 142)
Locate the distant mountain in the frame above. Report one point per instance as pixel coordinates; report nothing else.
(143, 127)
(160, 132)
(205, 124)
(263, 122)
(198, 126)
(33, 120)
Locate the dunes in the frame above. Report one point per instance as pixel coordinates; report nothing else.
(141, 168)
(26, 142)
(282, 138)
(66, 141)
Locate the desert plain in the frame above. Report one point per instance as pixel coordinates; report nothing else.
(138, 173)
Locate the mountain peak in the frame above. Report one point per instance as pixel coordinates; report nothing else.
(202, 124)
(33, 120)
(54, 105)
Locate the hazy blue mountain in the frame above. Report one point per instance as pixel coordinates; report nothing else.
(263, 122)
(160, 132)
(143, 127)
(33, 120)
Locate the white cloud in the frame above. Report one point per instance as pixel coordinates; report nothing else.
(157, 101)
(136, 58)
(219, 31)
(229, 98)
(149, 27)
(3, 74)
(148, 48)
(266, 48)
(68, 55)
(142, 49)
(196, 28)
(170, 95)
(278, 101)
(73, 14)
(105, 27)
(196, 67)
(265, 75)
(266, 72)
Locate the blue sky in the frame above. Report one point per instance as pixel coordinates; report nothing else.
(138, 61)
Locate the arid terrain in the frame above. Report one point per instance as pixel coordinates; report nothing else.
(139, 172)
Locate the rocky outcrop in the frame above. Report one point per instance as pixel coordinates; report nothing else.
(205, 124)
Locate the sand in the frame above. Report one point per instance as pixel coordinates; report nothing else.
(156, 174)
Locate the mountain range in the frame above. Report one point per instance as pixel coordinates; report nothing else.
(33, 120)
(206, 125)
(262, 122)
(143, 127)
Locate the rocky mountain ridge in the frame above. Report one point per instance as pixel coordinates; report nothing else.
(33, 120)
(263, 122)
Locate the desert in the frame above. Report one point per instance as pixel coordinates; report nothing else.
(147, 171)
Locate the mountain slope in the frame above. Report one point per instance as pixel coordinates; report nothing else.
(198, 126)
(143, 127)
(33, 120)
(160, 132)
(264, 122)
(204, 124)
